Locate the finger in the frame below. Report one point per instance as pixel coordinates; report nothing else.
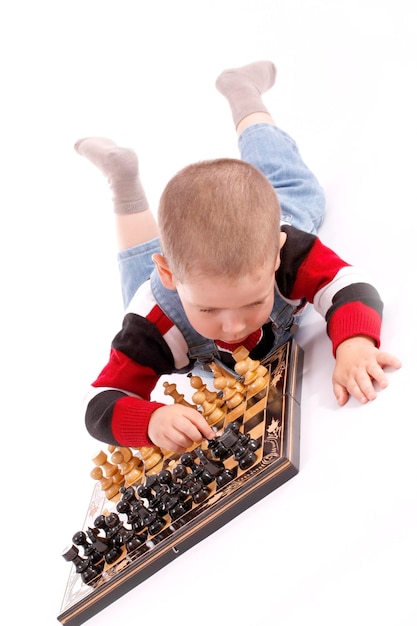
(202, 426)
(185, 430)
(187, 427)
(388, 360)
(378, 375)
(362, 387)
(176, 442)
(341, 394)
(173, 447)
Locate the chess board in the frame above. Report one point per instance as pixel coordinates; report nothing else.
(271, 418)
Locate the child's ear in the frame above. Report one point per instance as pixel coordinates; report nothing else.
(282, 240)
(163, 270)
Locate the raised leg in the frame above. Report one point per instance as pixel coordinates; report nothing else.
(270, 149)
(243, 87)
(134, 221)
(136, 228)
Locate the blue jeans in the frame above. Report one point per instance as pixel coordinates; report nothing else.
(273, 152)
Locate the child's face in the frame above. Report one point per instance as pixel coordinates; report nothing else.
(228, 310)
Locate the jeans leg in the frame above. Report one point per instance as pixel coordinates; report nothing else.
(135, 267)
(276, 154)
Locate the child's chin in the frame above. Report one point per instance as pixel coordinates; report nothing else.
(235, 342)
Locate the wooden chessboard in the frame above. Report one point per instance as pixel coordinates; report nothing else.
(271, 418)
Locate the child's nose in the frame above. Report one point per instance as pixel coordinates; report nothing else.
(233, 323)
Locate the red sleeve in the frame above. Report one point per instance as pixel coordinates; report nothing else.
(318, 269)
(354, 319)
(121, 372)
(131, 420)
(340, 292)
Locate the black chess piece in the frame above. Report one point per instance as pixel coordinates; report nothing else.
(214, 470)
(233, 442)
(114, 550)
(132, 507)
(80, 539)
(101, 544)
(196, 488)
(89, 572)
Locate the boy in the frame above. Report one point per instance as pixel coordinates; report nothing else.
(237, 260)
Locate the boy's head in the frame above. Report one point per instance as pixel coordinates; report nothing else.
(218, 218)
(219, 222)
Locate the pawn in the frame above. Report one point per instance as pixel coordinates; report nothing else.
(110, 488)
(197, 489)
(180, 474)
(120, 455)
(130, 466)
(209, 401)
(114, 551)
(212, 413)
(150, 456)
(255, 375)
(109, 469)
(196, 382)
(89, 572)
(80, 539)
(133, 543)
(233, 392)
(130, 506)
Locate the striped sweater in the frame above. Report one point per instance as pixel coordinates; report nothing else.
(149, 345)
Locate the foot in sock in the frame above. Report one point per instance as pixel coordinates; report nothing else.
(120, 166)
(243, 87)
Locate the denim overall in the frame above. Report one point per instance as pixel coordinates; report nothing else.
(203, 350)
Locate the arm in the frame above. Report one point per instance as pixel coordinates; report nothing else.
(353, 311)
(119, 410)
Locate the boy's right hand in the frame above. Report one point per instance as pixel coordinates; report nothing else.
(176, 427)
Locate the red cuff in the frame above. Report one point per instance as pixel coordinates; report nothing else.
(352, 319)
(131, 419)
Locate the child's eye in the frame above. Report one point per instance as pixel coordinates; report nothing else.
(249, 306)
(256, 303)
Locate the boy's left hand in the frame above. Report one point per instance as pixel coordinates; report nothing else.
(359, 365)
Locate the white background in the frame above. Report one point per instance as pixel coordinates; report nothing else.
(336, 544)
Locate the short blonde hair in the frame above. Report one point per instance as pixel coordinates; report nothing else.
(219, 218)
